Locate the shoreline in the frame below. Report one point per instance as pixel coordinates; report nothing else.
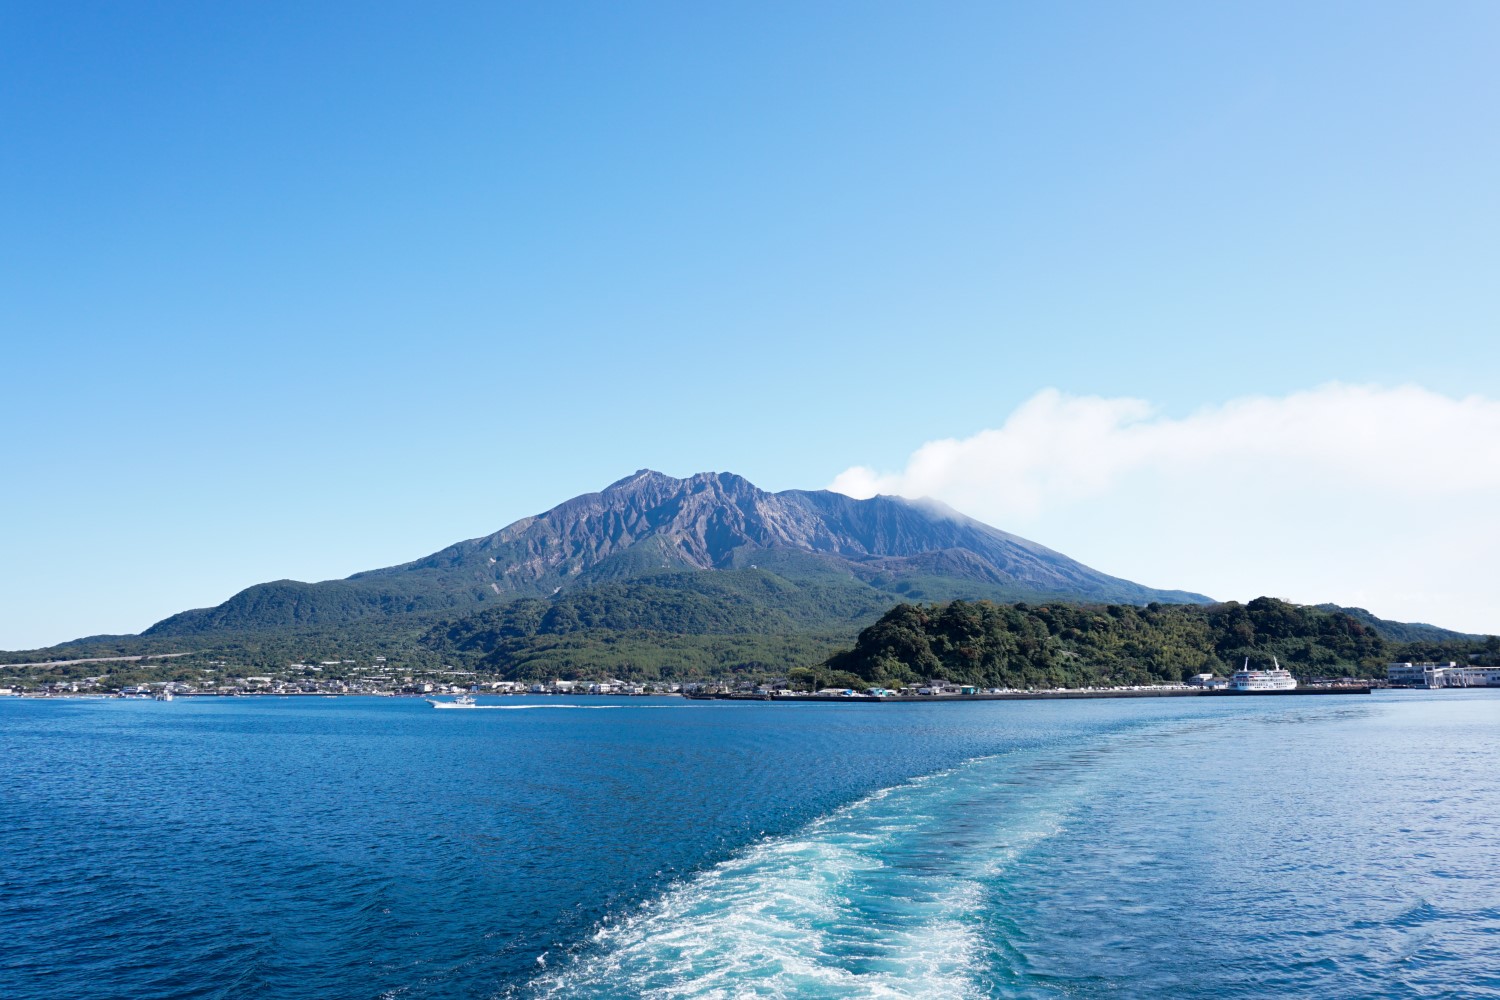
(1034, 695)
(1059, 695)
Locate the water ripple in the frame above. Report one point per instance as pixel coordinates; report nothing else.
(366, 848)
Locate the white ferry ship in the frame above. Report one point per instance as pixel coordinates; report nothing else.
(1275, 679)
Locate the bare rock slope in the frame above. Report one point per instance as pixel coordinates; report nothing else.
(650, 522)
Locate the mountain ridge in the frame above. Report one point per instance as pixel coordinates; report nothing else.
(650, 522)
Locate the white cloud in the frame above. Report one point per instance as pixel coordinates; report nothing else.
(1383, 497)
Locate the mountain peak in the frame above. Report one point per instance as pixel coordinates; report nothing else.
(638, 478)
(649, 522)
(659, 483)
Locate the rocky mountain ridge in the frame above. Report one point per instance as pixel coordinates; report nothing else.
(651, 523)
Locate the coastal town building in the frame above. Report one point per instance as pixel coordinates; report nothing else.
(1441, 675)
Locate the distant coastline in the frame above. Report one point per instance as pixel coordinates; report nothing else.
(781, 697)
(1065, 694)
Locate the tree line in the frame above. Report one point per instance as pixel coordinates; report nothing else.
(1053, 645)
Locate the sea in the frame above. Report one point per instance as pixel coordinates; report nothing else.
(375, 848)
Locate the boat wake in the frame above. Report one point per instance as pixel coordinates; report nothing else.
(886, 897)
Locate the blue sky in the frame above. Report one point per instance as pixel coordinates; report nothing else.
(298, 290)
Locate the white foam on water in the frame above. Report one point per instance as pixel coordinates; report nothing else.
(864, 902)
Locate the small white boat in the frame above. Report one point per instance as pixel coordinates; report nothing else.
(165, 694)
(462, 701)
(1276, 679)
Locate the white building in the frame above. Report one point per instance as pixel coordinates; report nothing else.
(1418, 675)
(1474, 677)
(1441, 675)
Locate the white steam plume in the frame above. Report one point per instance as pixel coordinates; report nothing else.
(1384, 497)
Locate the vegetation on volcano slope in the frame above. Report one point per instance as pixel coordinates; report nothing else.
(678, 626)
(728, 602)
(757, 623)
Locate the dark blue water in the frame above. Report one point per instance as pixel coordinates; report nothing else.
(365, 848)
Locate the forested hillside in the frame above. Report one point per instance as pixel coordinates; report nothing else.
(1047, 645)
(756, 623)
(669, 625)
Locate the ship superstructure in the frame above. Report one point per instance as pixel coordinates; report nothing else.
(1276, 679)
